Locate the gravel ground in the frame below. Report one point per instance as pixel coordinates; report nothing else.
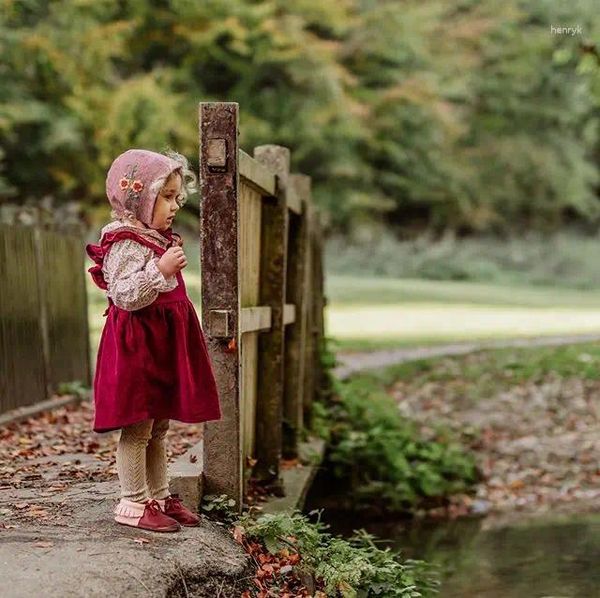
(536, 442)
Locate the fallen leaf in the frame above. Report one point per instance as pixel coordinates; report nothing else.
(193, 458)
(288, 463)
(238, 533)
(294, 558)
(37, 512)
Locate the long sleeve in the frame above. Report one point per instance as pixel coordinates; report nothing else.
(132, 275)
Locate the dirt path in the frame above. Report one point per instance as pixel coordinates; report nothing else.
(351, 363)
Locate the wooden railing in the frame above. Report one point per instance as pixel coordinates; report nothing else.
(262, 302)
(44, 337)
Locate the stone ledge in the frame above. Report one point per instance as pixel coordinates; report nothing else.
(81, 551)
(185, 476)
(297, 480)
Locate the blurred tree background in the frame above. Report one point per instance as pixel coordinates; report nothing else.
(464, 117)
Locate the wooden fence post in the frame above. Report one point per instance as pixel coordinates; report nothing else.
(63, 299)
(41, 291)
(273, 265)
(219, 226)
(309, 339)
(319, 306)
(297, 285)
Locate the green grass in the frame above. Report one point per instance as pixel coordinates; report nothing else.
(367, 313)
(483, 374)
(505, 367)
(369, 290)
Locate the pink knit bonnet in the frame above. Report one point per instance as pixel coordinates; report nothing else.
(130, 178)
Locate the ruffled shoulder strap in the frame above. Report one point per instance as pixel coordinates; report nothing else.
(98, 252)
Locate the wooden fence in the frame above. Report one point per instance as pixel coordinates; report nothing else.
(44, 337)
(262, 302)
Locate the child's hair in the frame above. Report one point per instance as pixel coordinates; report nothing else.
(188, 180)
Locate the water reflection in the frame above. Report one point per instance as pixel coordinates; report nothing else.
(558, 557)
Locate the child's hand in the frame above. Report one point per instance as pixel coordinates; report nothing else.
(172, 260)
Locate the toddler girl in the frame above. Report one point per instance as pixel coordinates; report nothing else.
(152, 363)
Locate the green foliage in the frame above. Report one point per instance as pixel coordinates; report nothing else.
(320, 420)
(328, 348)
(468, 116)
(327, 353)
(566, 259)
(474, 126)
(350, 568)
(382, 456)
(489, 371)
(320, 423)
(220, 507)
(76, 387)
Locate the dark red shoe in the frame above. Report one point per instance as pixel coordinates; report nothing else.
(146, 515)
(175, 509)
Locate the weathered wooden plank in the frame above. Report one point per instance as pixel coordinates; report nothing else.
(271, 344)
(250, 214)
(219, 237)
(253, 319)
(23, 368)
(309, 374)
(315, 324)
(319, 306)
(289, 314)
(44, 337)
(297, 285)
(42, 290)
(64, 307)
(293, 200)
(248, 398)
(256, 174)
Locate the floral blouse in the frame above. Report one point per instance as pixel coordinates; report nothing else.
(131, 272)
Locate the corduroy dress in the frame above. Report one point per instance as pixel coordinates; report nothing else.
(152, 362)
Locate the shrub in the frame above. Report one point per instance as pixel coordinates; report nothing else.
(347, 568)
(381, 456)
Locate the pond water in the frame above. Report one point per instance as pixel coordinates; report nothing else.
(551, 557)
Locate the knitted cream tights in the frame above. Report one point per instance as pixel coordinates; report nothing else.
(142, 460)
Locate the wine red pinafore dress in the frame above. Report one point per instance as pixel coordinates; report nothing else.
(152, 362)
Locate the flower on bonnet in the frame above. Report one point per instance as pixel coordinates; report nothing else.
(136, 186)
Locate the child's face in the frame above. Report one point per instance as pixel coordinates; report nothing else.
(166, 205)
